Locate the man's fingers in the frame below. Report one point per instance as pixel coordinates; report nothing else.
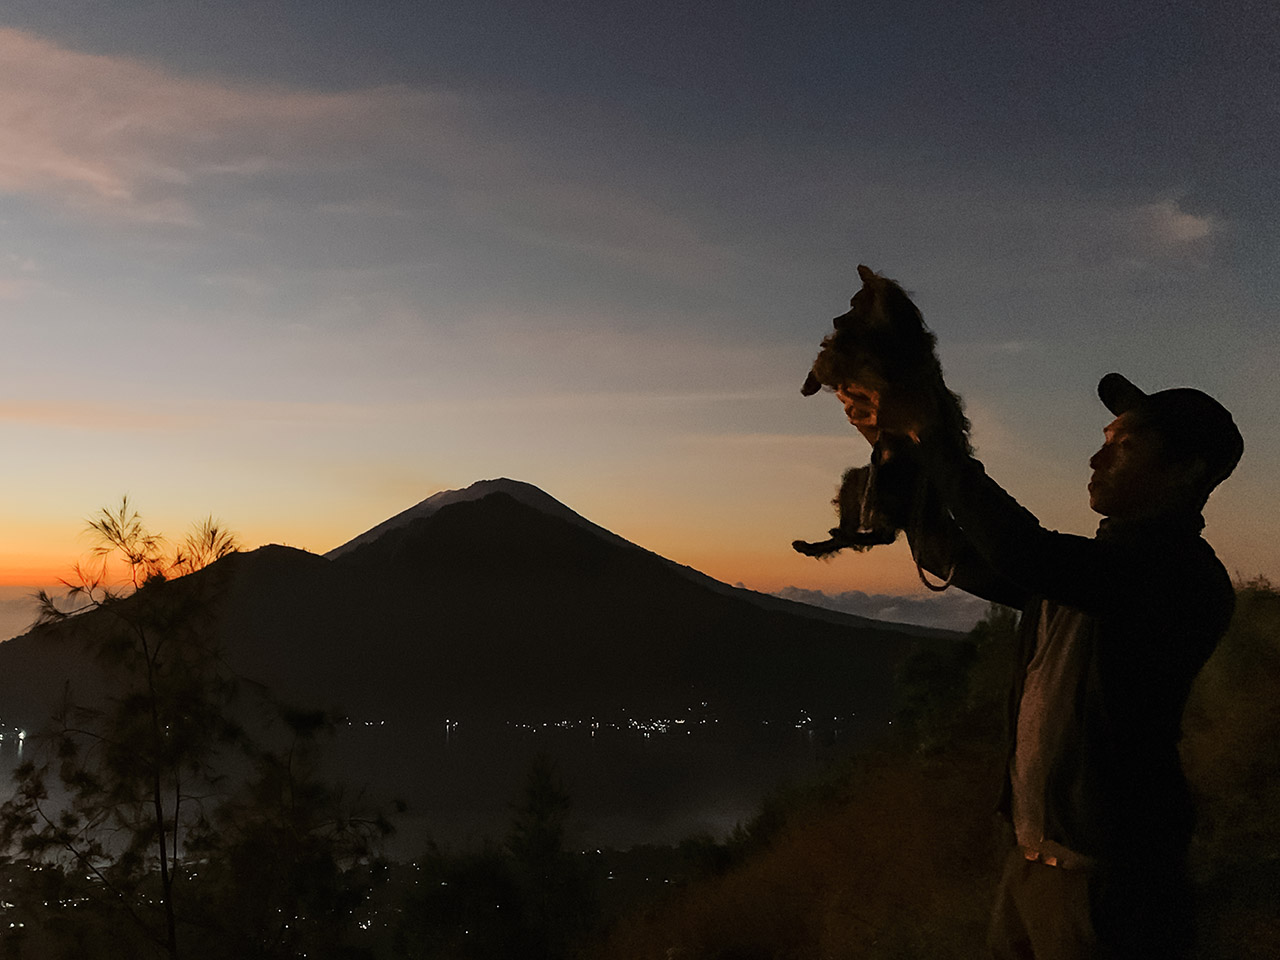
(859, 406)
(855, 392)
(860, 413)
(862, 407)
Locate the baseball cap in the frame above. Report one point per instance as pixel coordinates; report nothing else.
(1191, 422)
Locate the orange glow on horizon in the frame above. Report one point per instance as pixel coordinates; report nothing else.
(765, 562)
(767, 572)
(762, 570)
(33, 577)
(33, 571)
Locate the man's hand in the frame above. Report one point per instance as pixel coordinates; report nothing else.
(863, 407)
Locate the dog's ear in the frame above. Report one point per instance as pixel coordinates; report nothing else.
(867, 306)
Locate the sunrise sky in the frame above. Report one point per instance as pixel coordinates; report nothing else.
(302, 264)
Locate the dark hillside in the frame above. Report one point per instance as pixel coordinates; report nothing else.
(897, 856)
(892, 856)
(448, 641)
(490, 607)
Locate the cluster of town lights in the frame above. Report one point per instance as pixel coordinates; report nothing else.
(647, 727)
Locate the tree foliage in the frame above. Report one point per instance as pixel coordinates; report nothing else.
(529, 897)
(287, 859)
(956, 691)
(154, 796)
(554, 890)
(900, 860)
(1231, 744)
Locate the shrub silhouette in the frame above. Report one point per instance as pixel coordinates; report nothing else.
(152, 820)
(898, 856)
(1231, 754)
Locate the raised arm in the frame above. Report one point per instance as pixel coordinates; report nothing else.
(1086, 573)
(937, 542)
(903, 494)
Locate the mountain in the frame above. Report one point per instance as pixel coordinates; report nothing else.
(464, 638)
(492, 609)
(532, 496)
(518, 490)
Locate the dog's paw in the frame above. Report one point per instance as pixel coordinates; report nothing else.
(822, 549)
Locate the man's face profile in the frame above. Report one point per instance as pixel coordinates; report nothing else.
(1130, 477)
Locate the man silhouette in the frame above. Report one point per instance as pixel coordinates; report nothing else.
(1114, 629)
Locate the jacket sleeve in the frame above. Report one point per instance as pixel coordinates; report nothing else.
(938, 545)
(1080, 572)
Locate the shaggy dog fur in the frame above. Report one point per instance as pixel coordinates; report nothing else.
(881, 344)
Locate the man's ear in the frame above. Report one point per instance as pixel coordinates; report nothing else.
(1192, 474)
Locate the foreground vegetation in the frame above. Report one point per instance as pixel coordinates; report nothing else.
(897, 855)
(172, 809)
(182, 816)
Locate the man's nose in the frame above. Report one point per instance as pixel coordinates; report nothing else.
(1097, 459)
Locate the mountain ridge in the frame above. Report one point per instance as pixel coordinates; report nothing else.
(533, 496)
(519, 490)
(448, 640)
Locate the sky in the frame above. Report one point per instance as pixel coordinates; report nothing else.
(300, 265)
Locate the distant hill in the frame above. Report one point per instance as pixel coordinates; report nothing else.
(506, 609)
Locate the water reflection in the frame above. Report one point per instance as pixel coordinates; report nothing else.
(12, 740)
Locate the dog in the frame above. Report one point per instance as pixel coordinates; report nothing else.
(882, 345)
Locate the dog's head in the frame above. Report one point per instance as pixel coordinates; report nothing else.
(881, 305)
(880, 327)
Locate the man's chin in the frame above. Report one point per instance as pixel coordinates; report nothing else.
(1098, 501)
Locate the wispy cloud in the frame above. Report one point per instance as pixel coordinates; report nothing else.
(950, 611)
(1157, 234)
(772, 441)
(984, 349)
(96, 416)
(86, 416)
(131, 139)
(18, 275)
(1142, 235)
(1166, 224)
(1037, 235)
(601, 222)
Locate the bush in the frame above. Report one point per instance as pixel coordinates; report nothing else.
(1231, 754)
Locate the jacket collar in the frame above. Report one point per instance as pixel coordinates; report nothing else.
(1187, 523)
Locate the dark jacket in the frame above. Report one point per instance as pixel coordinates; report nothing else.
(1157, 601)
